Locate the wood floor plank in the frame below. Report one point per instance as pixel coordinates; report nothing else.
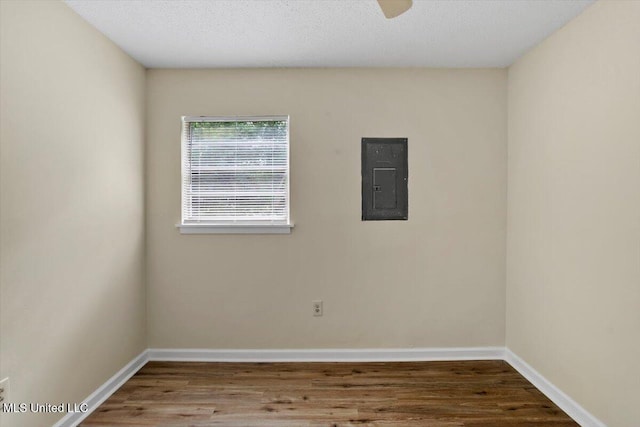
(435, 394)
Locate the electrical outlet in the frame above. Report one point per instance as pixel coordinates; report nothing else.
(317, 308)
(4, 390)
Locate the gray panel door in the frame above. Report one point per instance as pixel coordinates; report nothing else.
(384, 188)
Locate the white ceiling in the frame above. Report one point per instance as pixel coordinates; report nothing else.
(325, 33)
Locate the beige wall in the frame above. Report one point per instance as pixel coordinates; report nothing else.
(71, 253)
(435, 280)
(573, 280)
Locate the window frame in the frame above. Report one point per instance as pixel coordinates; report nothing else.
(242, 226)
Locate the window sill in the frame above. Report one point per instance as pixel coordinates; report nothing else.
(235, 228)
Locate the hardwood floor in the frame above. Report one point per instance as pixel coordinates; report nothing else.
(439, 394)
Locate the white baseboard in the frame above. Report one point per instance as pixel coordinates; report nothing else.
(564, 402)
(327, 355)
(103, 392)
(557, 396)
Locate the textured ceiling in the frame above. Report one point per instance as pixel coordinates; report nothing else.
(325, 33)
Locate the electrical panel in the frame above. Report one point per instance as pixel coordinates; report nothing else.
(384, 179)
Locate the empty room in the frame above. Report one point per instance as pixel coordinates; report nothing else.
(298, 213)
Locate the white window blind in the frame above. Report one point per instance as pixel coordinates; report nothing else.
(235, 171)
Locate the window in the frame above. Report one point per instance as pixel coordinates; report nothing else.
(235, 175)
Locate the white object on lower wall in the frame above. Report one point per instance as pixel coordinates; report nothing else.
(328, 355)
(4, 391)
